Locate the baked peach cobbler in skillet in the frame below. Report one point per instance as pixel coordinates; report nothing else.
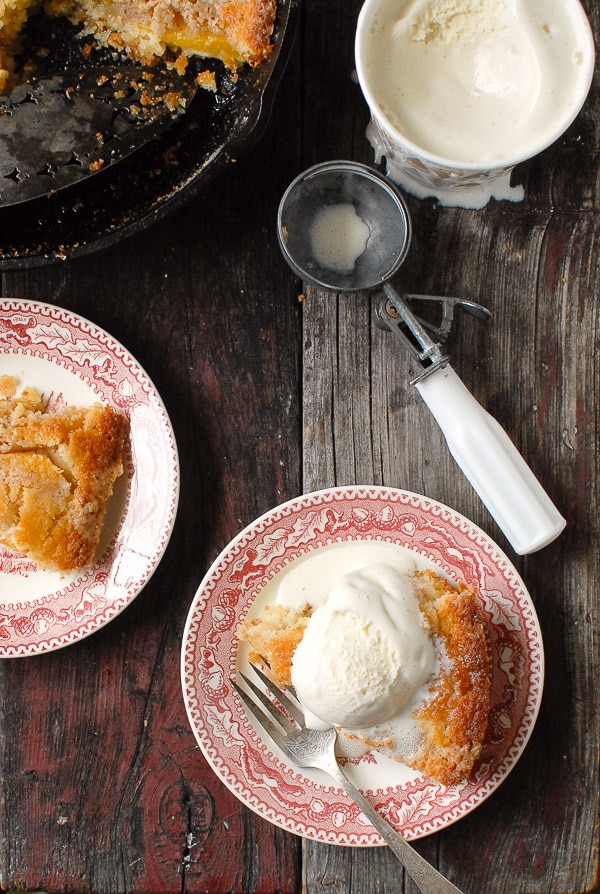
(233, 31)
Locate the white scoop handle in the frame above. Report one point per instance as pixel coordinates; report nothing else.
(491, 462)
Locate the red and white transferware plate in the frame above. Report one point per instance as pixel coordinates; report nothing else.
(71, 361)
(308, 802)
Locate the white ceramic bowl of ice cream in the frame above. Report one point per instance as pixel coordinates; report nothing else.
(460, 91)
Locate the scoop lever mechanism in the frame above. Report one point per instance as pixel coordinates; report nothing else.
(487, 456)
(393, 313)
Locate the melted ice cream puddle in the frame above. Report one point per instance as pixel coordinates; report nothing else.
(338, 237)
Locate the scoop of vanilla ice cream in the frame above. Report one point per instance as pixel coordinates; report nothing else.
(365, 652)
(455, 19)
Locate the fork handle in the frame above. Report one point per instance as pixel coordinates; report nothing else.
(425, 876)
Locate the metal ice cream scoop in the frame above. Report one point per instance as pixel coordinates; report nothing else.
(489, 459)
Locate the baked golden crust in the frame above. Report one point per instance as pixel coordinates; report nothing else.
(453, 718)
(274, 638)
(234, 31)
(57, 471)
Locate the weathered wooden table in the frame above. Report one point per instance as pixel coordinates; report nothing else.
(102, 787)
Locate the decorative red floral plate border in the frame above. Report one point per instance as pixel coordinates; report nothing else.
(307, 802)
(69, 360)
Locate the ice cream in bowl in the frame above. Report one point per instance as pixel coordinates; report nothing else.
(460, 91)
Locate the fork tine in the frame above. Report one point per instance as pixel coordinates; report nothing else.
(266, 706)
(292, 707)
(264, 722)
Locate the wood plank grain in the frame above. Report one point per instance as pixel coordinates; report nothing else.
(544, 819)
(535, 367)
(102, 786)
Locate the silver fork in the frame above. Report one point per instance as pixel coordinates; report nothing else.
(315, 748)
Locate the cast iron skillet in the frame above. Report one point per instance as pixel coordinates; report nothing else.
(158, 177)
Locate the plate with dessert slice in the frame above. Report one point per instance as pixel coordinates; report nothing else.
(396, 620)
(82, 428)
